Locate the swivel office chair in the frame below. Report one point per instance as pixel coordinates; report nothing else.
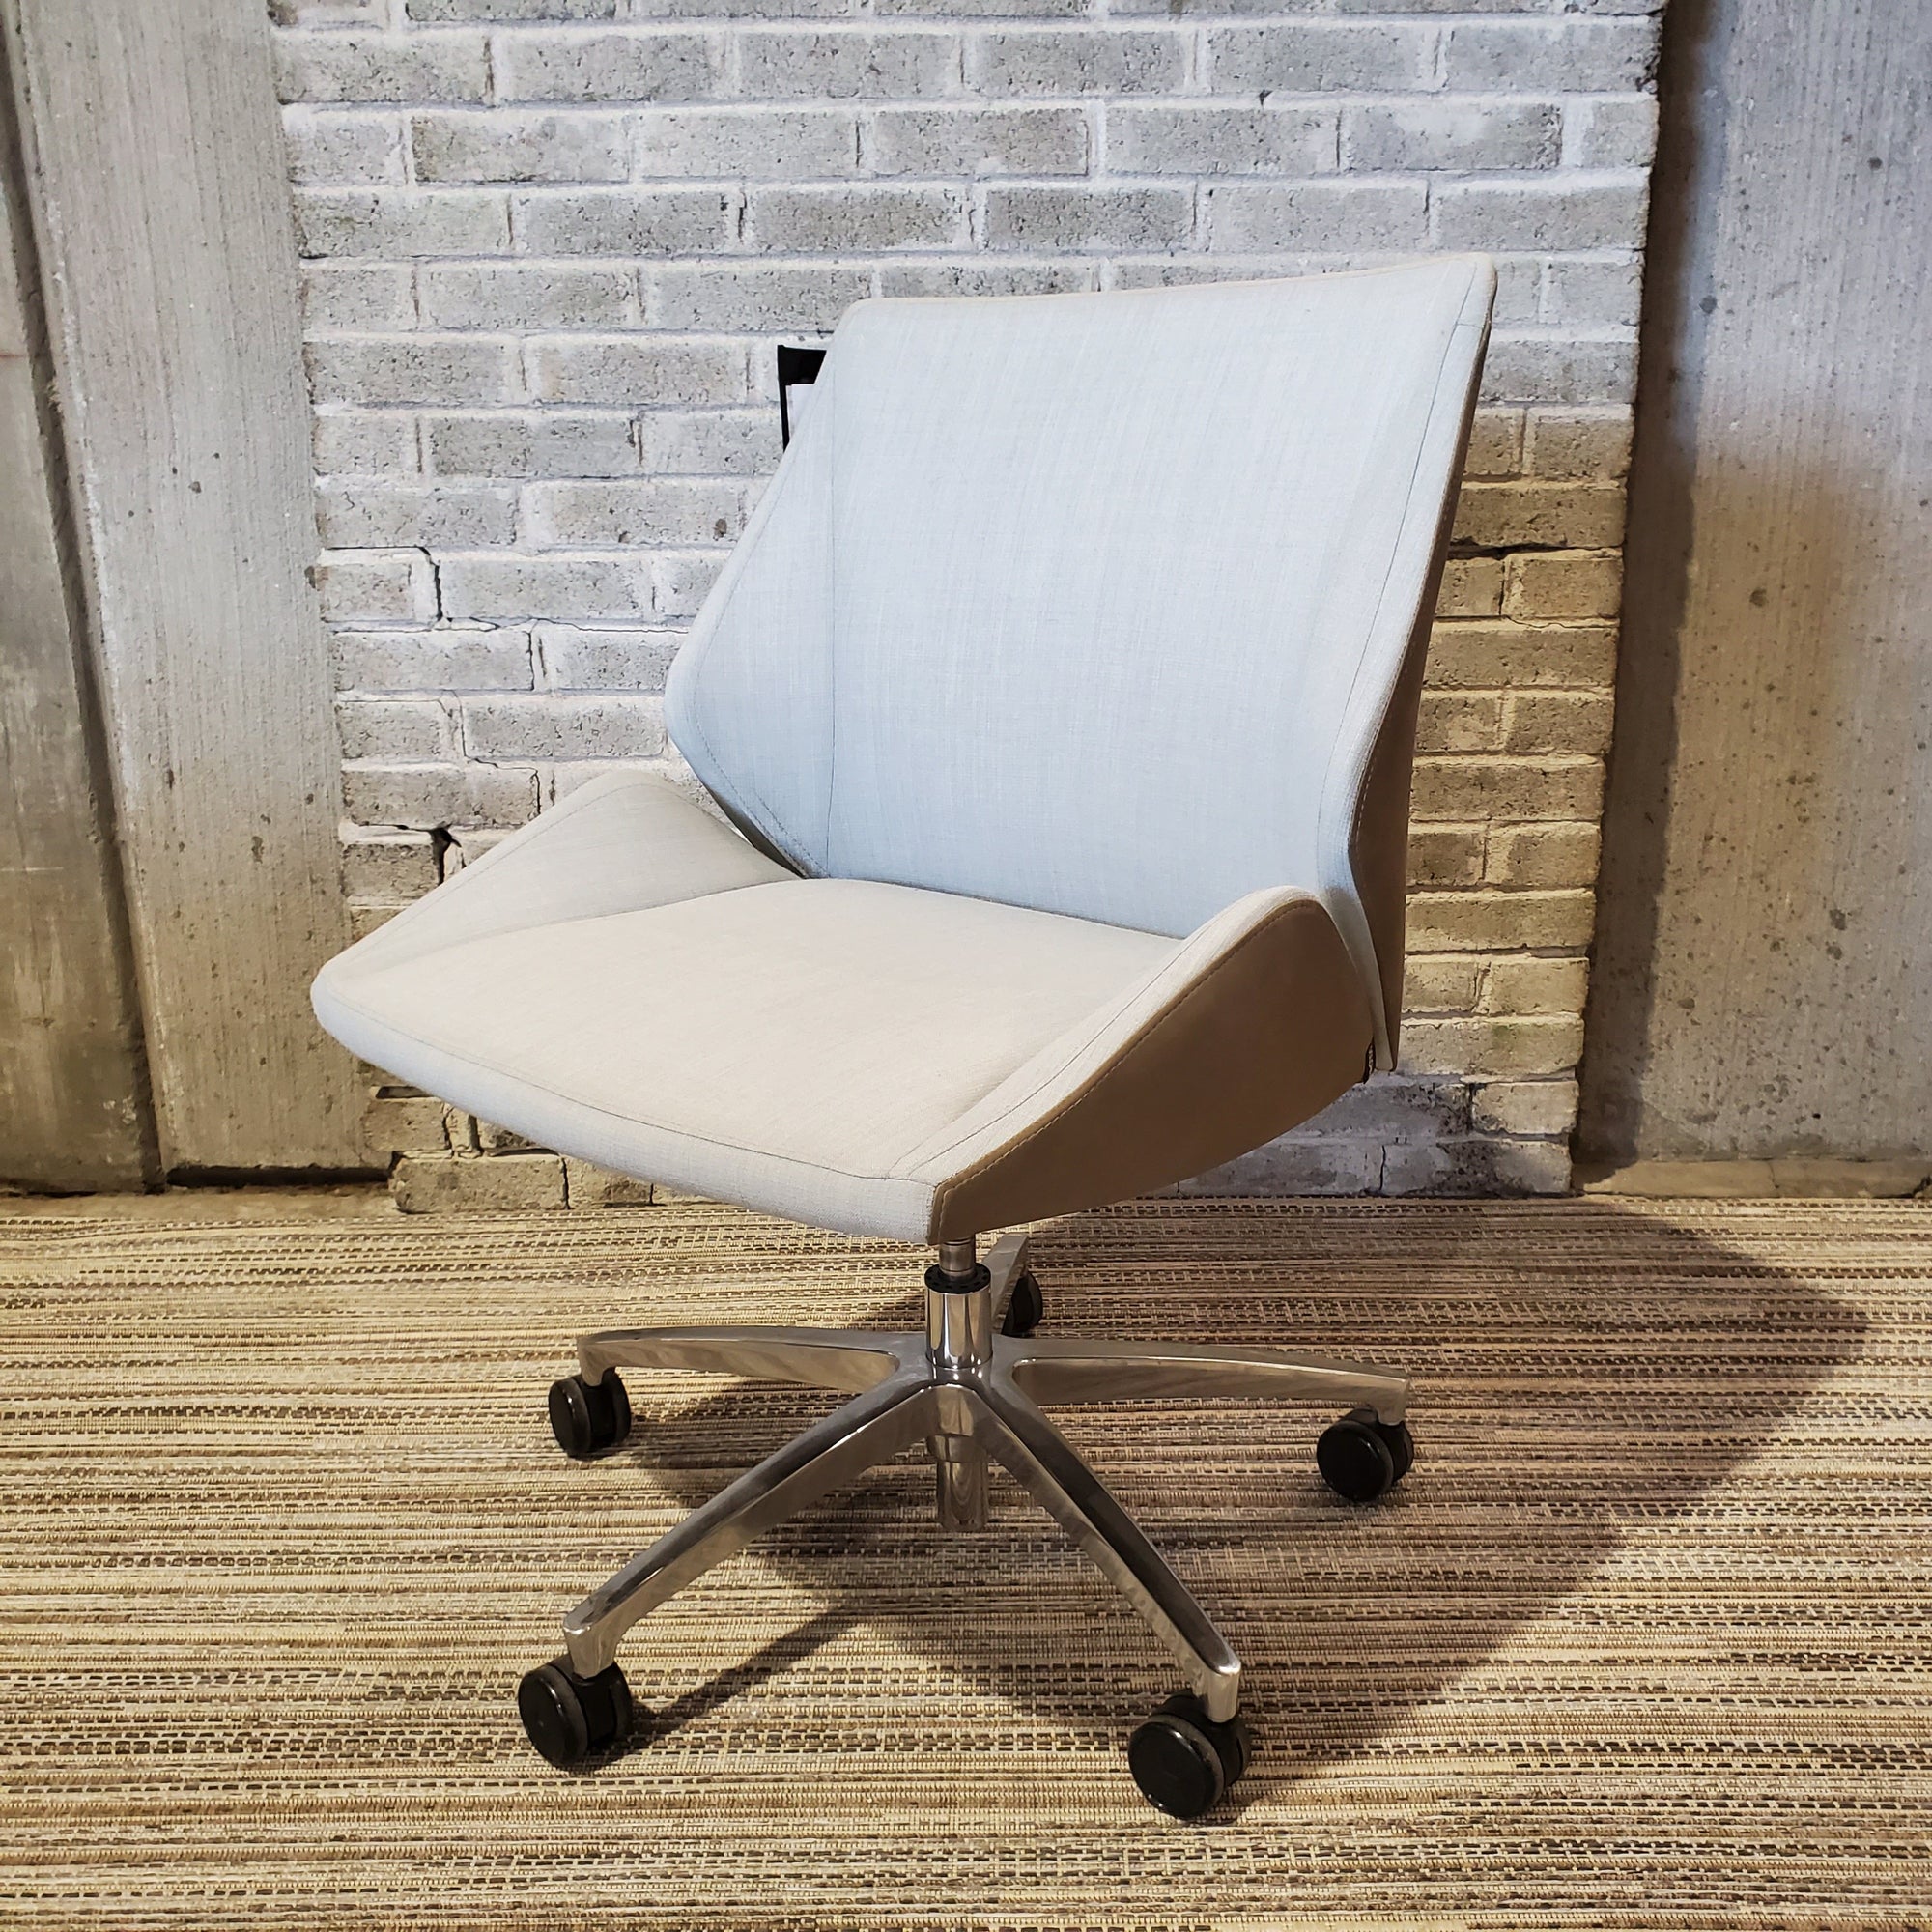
(1062, 692)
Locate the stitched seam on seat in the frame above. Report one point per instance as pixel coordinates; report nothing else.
(548, 924)
(1098, 1026)
(545, 822)
(629, 1119)
(1098, 1029)
(944, 1190)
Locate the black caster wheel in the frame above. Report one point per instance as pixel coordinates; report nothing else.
(570, 1719)
(587, 1418)
(1361, 1457)
(1026, 1306)
(1184, 1761)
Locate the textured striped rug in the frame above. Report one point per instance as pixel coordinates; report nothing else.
(1644, 1641)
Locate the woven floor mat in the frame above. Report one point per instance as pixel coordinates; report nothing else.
(1645, 1639)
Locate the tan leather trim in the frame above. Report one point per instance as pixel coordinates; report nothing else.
(1379, 837)
(1271, 1031)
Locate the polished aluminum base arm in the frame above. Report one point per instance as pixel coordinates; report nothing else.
(973, 1394)
(1035, 1453)
(1054, 1372)
(826, 1358)
(869, 1430)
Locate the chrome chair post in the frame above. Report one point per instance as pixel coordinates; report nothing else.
(958, 1330)
(958, 1348)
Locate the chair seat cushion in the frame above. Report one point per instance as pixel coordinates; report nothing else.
(786, 1042)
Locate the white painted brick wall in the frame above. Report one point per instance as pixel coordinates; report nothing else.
(550, 246)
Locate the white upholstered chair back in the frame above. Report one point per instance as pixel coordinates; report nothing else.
(1099, 603)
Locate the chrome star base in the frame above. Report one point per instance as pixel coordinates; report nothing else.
(975, 1396)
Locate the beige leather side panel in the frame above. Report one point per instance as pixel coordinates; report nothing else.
(1276, 1029)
